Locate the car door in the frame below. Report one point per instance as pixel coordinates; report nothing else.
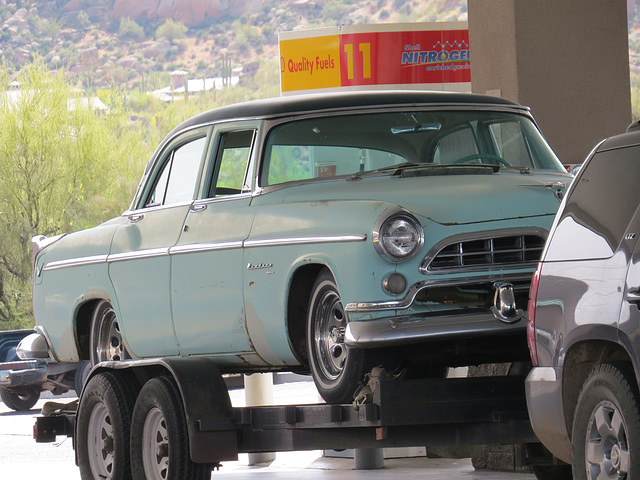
(207, 262)
(139, 262)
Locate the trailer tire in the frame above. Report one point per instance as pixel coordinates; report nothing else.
(103, 426)
(20, 400)
(336, 369)
(159, 436)
(606, 426)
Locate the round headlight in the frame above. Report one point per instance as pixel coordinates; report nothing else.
(399, 236)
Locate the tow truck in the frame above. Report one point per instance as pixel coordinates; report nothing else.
(189, 423)
(23, 379)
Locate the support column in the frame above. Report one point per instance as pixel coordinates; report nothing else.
(568, 60)
(258, 391)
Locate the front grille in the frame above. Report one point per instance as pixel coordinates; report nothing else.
(505, 250)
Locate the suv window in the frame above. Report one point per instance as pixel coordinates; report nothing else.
(608, 195)
(177, 179)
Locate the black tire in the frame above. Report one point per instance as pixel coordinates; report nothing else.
(159, 436)
(106, 338)
(104, 425)
(22, 399)
(606, 426)
(336, 368)
(552, 472)
(80, 377)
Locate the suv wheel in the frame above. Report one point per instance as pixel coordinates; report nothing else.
(606, 427)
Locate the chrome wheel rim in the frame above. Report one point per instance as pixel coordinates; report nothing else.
(155, 446)
(329, 328)
(109, 346)
(101, 444)
(606, 449)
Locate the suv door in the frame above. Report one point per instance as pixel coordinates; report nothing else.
(207, 267)
(139, 263)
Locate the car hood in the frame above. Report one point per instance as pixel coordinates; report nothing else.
(450, 199)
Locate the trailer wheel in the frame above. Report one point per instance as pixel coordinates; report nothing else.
(159, 436)
(106, 338)
(103, 427)
(606, 427)
(336, 368)
(22, 399)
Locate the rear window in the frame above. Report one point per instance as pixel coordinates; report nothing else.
(606, 194)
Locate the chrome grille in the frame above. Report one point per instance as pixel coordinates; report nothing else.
(504, 250)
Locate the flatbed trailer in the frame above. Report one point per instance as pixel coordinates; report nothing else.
(397, 413)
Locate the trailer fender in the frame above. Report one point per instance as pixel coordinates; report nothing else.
(208, 412)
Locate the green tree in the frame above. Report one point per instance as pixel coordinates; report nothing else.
(171, 30)
(129, 29)
(64, 167)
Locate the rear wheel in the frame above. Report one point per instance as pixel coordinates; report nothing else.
(106, 338)
(22, 399)
(159, 436)
(606, 427)
(104, 425)
(336, 368)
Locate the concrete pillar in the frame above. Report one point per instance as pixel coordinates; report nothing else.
(568, 60)
(368, 458)
(258, 390)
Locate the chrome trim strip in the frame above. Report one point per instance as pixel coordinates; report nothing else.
(204, 247)
(75, 262)
(270, 242)
(150, 253)
(410, 297)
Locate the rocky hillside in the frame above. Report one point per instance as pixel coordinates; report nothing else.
(136, 43)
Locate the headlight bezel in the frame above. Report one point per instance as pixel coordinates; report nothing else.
(380, 238)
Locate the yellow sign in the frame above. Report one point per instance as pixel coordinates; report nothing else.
(310, 63)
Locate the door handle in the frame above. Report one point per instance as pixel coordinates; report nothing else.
(198, 207)
(136, 217)
(632, 296)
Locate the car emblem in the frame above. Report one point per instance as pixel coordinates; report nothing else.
(504, 303)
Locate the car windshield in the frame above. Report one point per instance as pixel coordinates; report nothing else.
(331, 146)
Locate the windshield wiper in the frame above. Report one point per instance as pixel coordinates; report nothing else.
(401, 167)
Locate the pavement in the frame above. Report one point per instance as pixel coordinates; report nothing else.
(23, 459)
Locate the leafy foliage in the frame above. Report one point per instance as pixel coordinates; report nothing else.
(66, 168)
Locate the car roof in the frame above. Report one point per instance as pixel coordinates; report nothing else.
(297, 104)
(629, 138)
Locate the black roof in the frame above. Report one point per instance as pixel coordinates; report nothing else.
(341, 100)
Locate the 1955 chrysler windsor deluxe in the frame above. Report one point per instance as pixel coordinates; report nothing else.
(326, 233)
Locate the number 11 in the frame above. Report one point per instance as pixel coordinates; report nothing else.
(365, 49)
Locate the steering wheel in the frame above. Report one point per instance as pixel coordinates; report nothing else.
(496, 158)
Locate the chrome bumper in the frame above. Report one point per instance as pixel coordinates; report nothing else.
(401, 330)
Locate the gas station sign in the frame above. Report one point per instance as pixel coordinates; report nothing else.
(432, 56)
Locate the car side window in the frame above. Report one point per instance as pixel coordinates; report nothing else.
(234, 151)
(176, 182)
(510, 143)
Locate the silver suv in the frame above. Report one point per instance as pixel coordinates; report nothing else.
(584, 321)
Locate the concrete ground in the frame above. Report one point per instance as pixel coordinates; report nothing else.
(21, 458)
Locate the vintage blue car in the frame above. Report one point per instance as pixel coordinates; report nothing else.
(324, 233)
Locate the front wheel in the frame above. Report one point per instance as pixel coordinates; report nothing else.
(336, 368)
(159, 435)
(606, 427)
